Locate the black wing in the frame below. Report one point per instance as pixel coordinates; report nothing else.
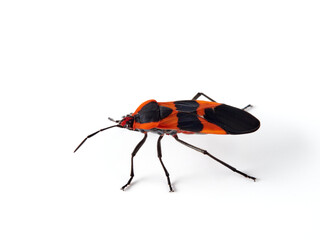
(232, 120)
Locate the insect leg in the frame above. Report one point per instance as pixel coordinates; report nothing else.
(246, 107)
(202, 94)
(160, 158)
(213, 157)
(199, 94)
(136, 149)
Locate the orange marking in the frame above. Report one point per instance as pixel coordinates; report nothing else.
(148, 125)
(142, 105)
(210, 128)
(171, 122)
(204, 105)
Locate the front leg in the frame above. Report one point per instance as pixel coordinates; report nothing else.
(136, 149)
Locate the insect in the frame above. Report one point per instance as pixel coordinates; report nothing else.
(188, 117)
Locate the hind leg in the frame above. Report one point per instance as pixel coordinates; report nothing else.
(202, 94)
(213, 157)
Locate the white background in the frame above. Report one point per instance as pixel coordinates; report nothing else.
(65, 66)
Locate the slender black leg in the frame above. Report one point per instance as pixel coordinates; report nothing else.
(136, 149)
(199, 94)
(202, 94)
(160, 158)
(218, 160)
(246, 107)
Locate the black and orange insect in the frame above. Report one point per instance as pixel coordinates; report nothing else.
(189, 117)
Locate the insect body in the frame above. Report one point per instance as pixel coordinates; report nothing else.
(189, 117)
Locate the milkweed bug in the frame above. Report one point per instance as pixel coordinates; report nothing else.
(189, 117)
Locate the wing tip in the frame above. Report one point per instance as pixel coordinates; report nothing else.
(232, 120)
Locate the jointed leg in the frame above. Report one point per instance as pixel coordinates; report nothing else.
(246, 107)
(218, 160)
(160, 158)
(199, 94)
(132, 156)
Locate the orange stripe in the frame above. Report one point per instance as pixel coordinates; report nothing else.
(148, 125)
(211, 128)
(204, 105)
(170, 122)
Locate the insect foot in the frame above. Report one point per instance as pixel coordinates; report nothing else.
(125, 187)
(253, 178)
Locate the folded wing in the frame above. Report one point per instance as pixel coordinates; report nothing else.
(232, 120)
(207, 117)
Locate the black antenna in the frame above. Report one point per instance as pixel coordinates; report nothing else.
(111, 119)
(89, 136)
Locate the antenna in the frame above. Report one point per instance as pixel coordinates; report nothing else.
(112, 120)
(89, 136)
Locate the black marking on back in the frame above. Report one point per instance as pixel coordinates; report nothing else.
(232, 120)
(186, 105)
(189, 122)
(164, 112)
(148, 113)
